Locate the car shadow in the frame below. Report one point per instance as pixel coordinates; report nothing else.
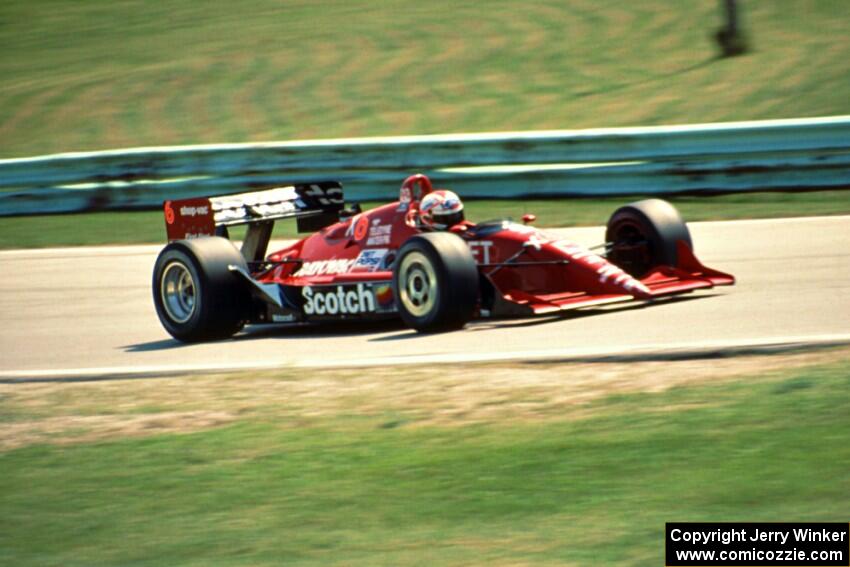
(165, 344)
(399, 332)
(478, 325)
(535, 320)
(632, 306)
(289, 331)
(323, 330)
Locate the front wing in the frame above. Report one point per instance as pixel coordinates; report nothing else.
(664, 281)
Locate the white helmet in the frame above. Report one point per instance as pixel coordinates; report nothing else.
(440, 210)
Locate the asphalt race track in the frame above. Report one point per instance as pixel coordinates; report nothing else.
(87, 312)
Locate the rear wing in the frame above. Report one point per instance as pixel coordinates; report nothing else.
(313, 205)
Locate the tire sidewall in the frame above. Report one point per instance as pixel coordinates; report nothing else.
(457, 281)
(175, 253)
(221, 301)
(660, 222)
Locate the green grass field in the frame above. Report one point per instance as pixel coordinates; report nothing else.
(86, 229)
(125, 73)
(298, 476)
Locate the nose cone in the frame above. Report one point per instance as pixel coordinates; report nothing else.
(601, 275)
(614, 277)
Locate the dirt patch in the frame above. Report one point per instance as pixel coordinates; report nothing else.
(84, 429)
(412, 396)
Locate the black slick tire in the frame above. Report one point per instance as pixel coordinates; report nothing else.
(197, 297)
(435, 282)
(645, 234)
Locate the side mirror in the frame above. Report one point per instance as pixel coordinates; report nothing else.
(528, 218)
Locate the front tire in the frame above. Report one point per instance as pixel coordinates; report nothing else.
(197, 297)
(435, 282)
(645, 234)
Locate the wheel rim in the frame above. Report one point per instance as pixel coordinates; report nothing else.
(417, 284)
(177, 290)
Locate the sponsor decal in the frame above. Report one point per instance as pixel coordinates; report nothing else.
(384, 294)
(361, 228)
(370, 260)
(288, 318)
(379, 234)
(229, 215)
(339, 300)
(534, 242)
(325, 196)
(481, 250)
(249, 211)
(193, 211)
(324, 267)
(606, 270)
(169, 213)
(274, 196)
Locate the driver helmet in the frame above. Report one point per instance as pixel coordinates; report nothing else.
(440, 210)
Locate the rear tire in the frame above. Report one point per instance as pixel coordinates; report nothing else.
(645, 234)
(435, 282)
(197, 297)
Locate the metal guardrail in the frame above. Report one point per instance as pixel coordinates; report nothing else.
(743, 156)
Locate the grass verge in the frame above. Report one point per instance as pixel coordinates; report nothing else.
(122, 73)
(283, 483)
(86, 229)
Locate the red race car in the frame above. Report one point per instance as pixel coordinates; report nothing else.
(416, 258)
